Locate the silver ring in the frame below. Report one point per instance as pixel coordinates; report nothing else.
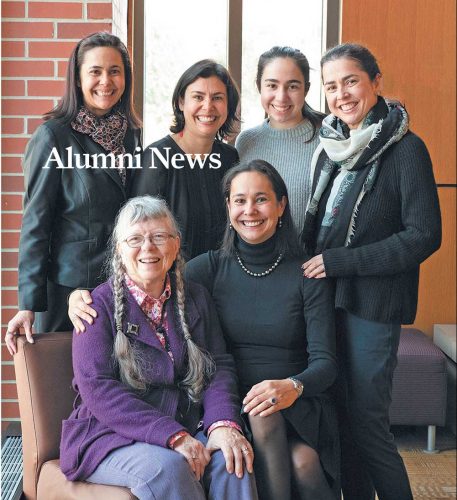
(273, 401)
(194, 458)
(245, 451)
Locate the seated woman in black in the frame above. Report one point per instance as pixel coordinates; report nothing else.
(279, 327)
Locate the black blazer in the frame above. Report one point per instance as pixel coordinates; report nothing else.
(68, 213)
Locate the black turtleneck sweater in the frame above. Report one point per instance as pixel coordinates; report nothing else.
(276, 326)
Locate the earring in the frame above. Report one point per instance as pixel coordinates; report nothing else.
(230, 227)
(280, 222)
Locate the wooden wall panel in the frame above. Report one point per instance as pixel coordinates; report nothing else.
(415, 44)
(437, 297)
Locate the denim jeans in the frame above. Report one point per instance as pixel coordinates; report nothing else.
(155, 473)
(367, 354)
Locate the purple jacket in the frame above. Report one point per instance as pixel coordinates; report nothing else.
(109, 415)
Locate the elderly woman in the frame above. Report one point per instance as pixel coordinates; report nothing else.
(156, 388)
(280, 329)
(70, 203)
(186, 167)
(373, 218)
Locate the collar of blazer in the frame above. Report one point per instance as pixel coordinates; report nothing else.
(91, 147)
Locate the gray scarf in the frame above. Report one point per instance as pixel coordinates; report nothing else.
(359, 151)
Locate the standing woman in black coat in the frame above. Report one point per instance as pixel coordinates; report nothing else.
(186, 167)
(70, 200)
(373, 218)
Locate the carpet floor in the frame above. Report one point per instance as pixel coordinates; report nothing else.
(432, 476)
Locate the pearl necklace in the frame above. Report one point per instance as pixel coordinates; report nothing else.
(258, 275)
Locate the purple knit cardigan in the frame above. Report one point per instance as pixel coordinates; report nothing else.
(109, 415)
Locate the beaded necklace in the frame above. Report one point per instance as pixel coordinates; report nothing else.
(258, 275)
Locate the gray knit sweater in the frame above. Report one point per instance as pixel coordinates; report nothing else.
(288, 151)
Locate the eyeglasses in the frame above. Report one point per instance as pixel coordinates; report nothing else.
(137, 240)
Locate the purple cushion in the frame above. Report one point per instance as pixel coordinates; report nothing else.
(419, 383)
(416, 351)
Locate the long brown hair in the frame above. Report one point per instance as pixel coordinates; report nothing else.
(68, 106)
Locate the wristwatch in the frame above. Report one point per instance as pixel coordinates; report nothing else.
(298, 386)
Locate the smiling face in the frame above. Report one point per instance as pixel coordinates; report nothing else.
(283, 92)
(204, 107)
(148, 265)
(102, 79)
(349, 91)
(253, 208)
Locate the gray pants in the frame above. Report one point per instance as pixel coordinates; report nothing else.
(156, 473)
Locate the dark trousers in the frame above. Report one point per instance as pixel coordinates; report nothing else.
(367, 354)
(55, 319)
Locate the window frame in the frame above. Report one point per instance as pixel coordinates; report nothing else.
(331, 36)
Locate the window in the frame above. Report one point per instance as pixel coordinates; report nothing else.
(266, 23)
(181, 33)
(176, 36)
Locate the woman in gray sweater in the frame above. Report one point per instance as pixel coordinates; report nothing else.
(288, 136)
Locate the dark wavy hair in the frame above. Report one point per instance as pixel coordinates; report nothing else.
(286, 240)
(315, 117)
(68, 107)
(205, 69)
(360, 54)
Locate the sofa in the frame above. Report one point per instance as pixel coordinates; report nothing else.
(43, 375)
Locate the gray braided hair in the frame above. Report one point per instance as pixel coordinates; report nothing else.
(200, 364)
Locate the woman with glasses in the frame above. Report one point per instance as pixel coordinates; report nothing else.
(157, 408)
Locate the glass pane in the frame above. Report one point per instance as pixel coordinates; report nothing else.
(266, 23)
(177, 35)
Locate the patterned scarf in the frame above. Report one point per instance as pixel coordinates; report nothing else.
(107, 131)
(358, 151)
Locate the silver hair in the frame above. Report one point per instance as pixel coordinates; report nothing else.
(200, 364)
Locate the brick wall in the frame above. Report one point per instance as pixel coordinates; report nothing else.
(37, 39)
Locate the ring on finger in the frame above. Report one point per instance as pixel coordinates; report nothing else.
(273, 401)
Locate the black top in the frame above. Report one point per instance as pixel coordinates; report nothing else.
(69, 212)
(278, 326)
(398, 225)
(193, 194)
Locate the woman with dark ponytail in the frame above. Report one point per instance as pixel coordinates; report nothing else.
(373, 218)
(280, 329)
(289, 135)
(153, 376)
